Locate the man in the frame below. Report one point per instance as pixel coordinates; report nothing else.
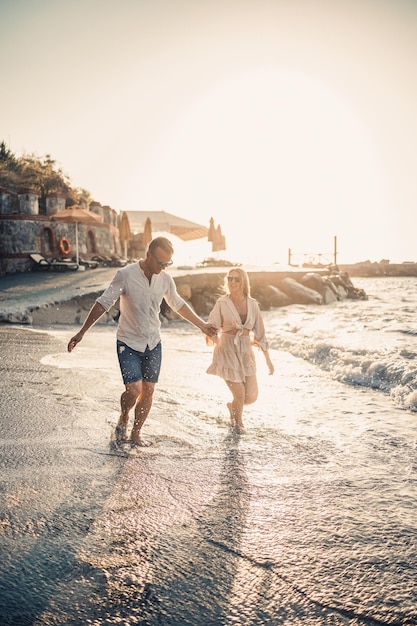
(141, 288)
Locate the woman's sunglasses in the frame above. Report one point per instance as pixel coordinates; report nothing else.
(233, 278)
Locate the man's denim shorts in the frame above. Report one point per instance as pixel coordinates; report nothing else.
(137, 366)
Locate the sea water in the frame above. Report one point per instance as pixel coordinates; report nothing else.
(307, 518)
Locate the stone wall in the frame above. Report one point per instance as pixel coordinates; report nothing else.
(23, 231)
(22, 235)
(6, 204)
(28, 202)
(55, 203)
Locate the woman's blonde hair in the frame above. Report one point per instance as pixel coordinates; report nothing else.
(244, 277)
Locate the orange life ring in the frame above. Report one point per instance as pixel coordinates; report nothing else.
(64, 245)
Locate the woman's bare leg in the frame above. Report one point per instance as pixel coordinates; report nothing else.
(236, 406)
(251, 389)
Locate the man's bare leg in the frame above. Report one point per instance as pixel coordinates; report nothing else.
(127, 401)
(142, 408)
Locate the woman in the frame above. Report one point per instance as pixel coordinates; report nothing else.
(237, 315)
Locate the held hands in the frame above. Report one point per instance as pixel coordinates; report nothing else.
(209, 330)
(210, 334)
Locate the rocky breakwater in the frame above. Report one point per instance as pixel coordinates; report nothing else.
(271, 289)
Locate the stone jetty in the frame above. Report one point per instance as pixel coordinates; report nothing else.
(271, 288)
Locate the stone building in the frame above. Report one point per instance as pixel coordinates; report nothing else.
(25, 230)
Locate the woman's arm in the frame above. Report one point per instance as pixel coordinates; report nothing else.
(269, 363)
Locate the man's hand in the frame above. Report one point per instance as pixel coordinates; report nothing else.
(74, 340)
(209, 330)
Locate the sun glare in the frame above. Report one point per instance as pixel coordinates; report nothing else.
(273, 156)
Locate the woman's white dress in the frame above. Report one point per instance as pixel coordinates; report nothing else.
(233, 356)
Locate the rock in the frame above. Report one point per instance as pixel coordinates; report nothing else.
(185, 291)
(271, 296)
(314, 281)
(324, 286)
(15, 318)
(328, 283)
(340, 285)
(357, 294)
(300, 294)
(329, 295)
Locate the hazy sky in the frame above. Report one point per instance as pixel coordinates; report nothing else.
(287, 121)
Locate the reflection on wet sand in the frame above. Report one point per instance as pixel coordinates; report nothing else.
(197, 562)
(168, 542)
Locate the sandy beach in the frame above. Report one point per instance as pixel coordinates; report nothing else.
(79, 522)
(39, 297)
(51, 487)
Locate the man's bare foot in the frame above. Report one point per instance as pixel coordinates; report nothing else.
(232, 419)
(140, 443)
(120, 432)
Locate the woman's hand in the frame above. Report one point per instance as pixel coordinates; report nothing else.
(209, 330)
(269, 363)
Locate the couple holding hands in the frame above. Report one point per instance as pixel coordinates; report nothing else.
(140, 288)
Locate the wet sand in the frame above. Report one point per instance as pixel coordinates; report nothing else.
(280, 526)
(52, 486)
(89, 536)
(79, 522)
(45, 298)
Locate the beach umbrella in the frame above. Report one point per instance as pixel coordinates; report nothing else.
(125, 233)
(76, 215)
(219, 241)
(167, 223)
(147, 234)
(212, 231)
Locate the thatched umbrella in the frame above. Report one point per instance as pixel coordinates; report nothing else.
(212, 231)
(219, 241)
(147, 233)
(125, 233)
(168, 223)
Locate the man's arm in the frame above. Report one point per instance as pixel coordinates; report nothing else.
(96, 311)
(188, 314)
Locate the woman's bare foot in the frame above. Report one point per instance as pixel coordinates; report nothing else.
(240, 429)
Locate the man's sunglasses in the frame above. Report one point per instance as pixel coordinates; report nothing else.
(162, 263)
